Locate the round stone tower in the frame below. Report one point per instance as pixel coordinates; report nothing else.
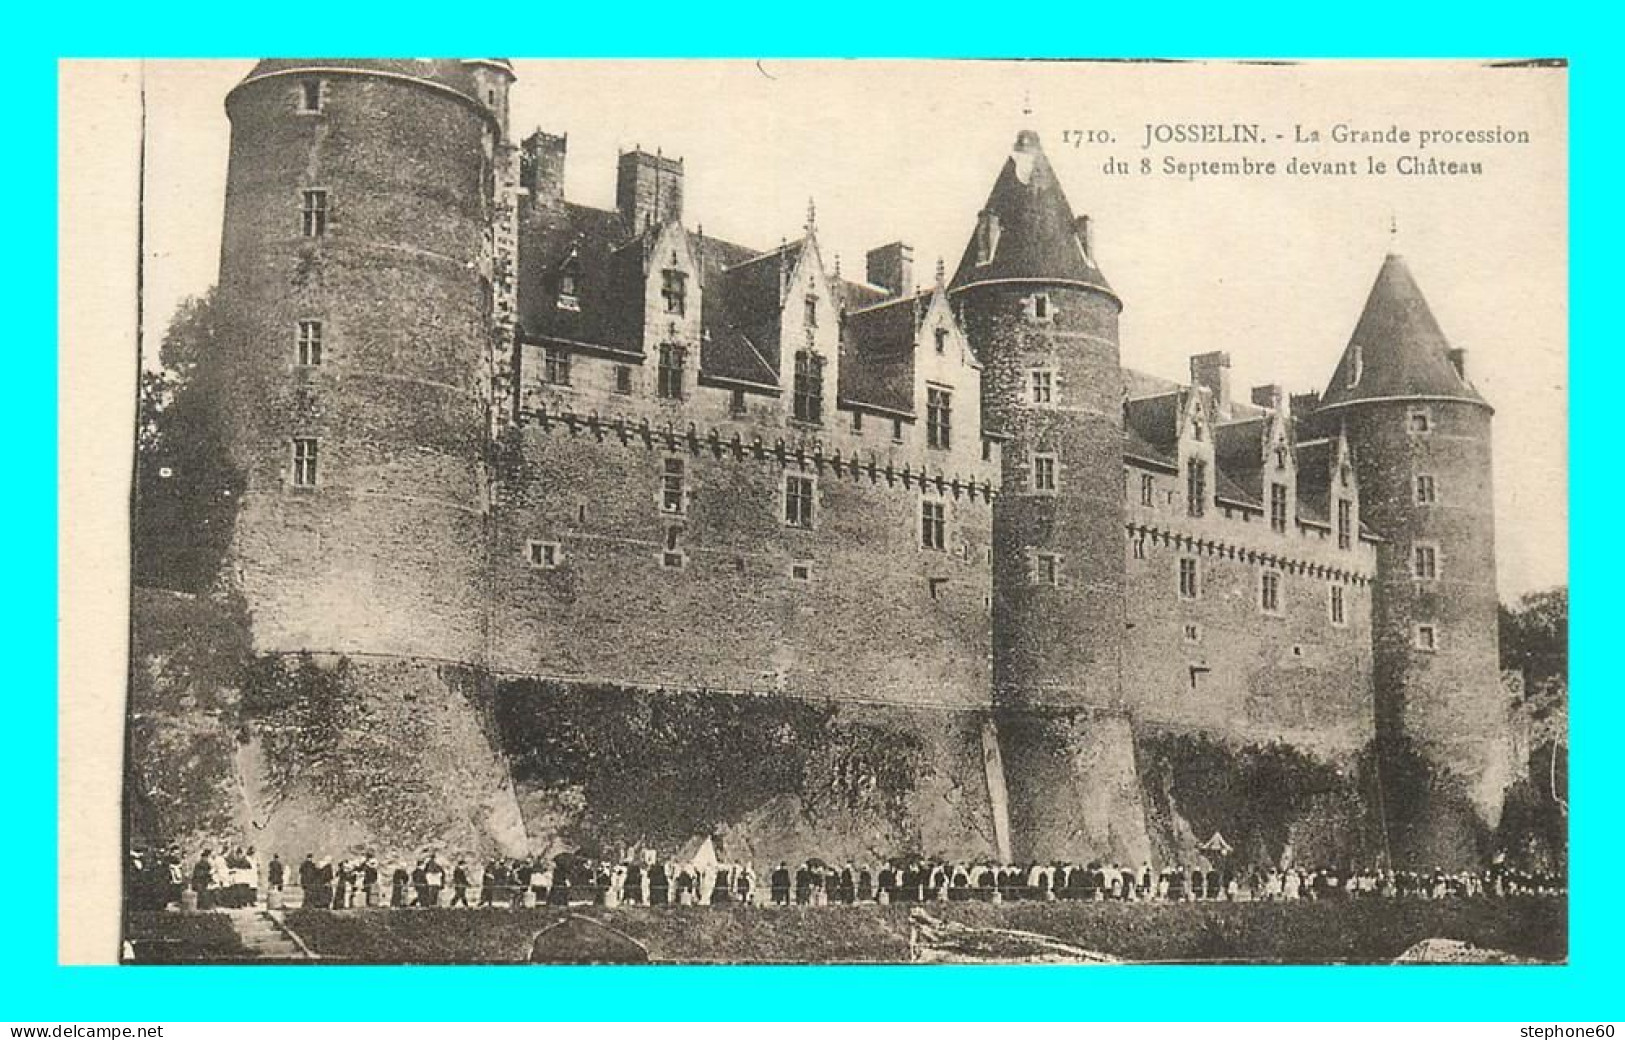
(1420, 434)
(355, 370)
(1044, 323)
(353, 375)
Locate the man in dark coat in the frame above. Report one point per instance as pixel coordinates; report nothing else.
(273, 873)
(803, 884)
(781, 885)
(459, 884)
(307, 876)
(659, 884)
(397, 886)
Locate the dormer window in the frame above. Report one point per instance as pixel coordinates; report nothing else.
(568, 297)
(310, 95)
(1356, 365)
(674, 290)
(1195, 487)
(938, 417)
(669, 374)
(987, 237)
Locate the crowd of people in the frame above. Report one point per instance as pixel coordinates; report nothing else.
(225, 879)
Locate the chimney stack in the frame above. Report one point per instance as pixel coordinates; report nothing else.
(891, 267)
(648, 190)
(541, 167)
(1458, 361)
(1212, 371)
(1269, 396)
(1086, 236)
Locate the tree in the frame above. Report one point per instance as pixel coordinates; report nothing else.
(186, 488)
(1535, 644)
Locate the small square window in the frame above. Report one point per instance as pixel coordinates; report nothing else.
(672, 554)
(933, 525)
(857, 422)
(310, 95)
(1427, 490)
(1044, 473)
(1042, 385)
(1047, 569)
(309, 351)
(1424, 562)
(1193, 632)
(672, 492)
(801, 571)
(556, 366)
(1269, 592)
(1190, 586)
(623, 379)
(1421, 420)
(1336, 605)
(313, 212)
(545, 555)
(1427, 638)
(305, 450)
(799, 497)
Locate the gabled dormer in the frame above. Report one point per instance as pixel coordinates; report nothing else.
(1344, 499)
(1197, 470)
(809, 328)
(1278, 465)
(946, 373)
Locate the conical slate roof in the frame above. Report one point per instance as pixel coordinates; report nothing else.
(1401, 351)
(1037, 236)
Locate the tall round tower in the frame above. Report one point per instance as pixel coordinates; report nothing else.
(355, 274)
(1420, 434)
(353, 375)
(1044, 323)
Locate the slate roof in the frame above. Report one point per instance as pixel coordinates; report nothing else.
(1403, 351)
(1037, 233)
(877, 354)
(1151, 427)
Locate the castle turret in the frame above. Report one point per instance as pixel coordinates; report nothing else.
(1044, 322)
(1420, 434)
(354, 380)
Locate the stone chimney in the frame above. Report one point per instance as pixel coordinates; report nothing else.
(648, 190)
(1212, 371)
(1458, 361)
(1269, 396)
(541, 167)
(1086, 236)
(891, 267)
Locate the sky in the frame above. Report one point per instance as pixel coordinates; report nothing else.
(1273, 270)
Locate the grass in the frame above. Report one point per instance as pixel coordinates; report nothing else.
(166, 937)
(1366, 932)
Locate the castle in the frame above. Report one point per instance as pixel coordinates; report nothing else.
(492, 440)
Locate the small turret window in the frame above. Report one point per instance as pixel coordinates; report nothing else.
(1336, 606)
(304, 461)
(1427, 491)
(544, 555)
(987, 237)
(1044, 473)
(569, 299)
(1038, 307)
(1189, 581)
(1427, 637)
(1345, 523)
(310, 343)
(1425, 562)
(310, 95)
(1196, 487)
(1421, 420)
(1043, 386)
(1356, 365)
(1046, 569)
(313, 212)
(672, 493)
(1269, 592)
